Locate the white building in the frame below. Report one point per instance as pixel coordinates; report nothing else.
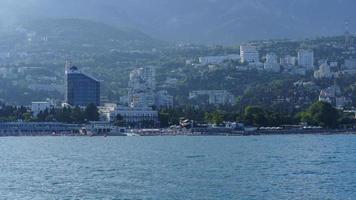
(137, 115)
(334, 96)
(288, 61)
(349, 67)
(306, 59)
(143, 78)
(271, 63)
(216, 97)
(218, 59)
(334, 64)
(350, 64)
(37, 107)
(323, 72)
(342, 102)
(130, 115)
(142, 85)
(163, 99)
(141, 99)
(249, 54)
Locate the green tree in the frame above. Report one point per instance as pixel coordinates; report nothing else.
(254, 115)
(321, 114)
(65, 115)
(92, 112)
(27, 117)
(215, 117)
(78, 115)
(119, 120)
(164, 119)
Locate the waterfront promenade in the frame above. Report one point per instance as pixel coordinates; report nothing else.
(61, 129)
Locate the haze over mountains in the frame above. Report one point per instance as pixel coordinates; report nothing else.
(198, 21)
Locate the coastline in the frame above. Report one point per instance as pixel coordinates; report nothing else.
(189, 134)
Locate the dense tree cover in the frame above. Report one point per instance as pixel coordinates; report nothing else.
(215, 117)
(252, 115)
(276, 92)
(12, 113)
(19, 94)
(119, 120)
(66, 115)
(257, 116)
(70, 115)
(321, 114)
(91, 113)
(170, 117)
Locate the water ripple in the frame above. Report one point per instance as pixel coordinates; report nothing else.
(247, 168)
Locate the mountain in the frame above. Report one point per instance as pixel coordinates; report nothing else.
(200, 21)
(72, 34)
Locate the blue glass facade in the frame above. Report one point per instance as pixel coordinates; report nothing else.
(81, 89)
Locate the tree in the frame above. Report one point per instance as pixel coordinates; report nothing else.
(92, 112)
(65, 115)
(164, 119)
(78, 115)
(254, 115)
(321, 114)
(119, 120)
(27, 117)
(215, 117)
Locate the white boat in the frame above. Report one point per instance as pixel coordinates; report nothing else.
(131, 134)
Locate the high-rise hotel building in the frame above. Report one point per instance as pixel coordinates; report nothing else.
(81, 89)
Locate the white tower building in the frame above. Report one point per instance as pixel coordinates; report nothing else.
(306, 59)
(271, 63)
(142, 87)
(249, 54)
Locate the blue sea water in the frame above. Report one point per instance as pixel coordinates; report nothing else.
(263, 167)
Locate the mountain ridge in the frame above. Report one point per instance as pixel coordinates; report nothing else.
(71, 34)
(205, 21)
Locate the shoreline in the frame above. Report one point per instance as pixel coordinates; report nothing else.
(241, 134)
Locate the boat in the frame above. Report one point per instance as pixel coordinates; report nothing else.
(131, 134)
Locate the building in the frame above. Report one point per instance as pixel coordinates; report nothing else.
(136, 117)
(218, 59)
(349, 67)
(347, 35)
(249, 54)
(306, 59)
(215, 97)
(350, 64)
(81, 89)
(143, 78)
(141, 99)
(163, 99)
(329, 94)
(271, 63)
(37, 107)
(142, 85)
(334, 96)
(288, 61)
(323, 72)
(342, 102)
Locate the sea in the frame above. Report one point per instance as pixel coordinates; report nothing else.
(247, 168)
